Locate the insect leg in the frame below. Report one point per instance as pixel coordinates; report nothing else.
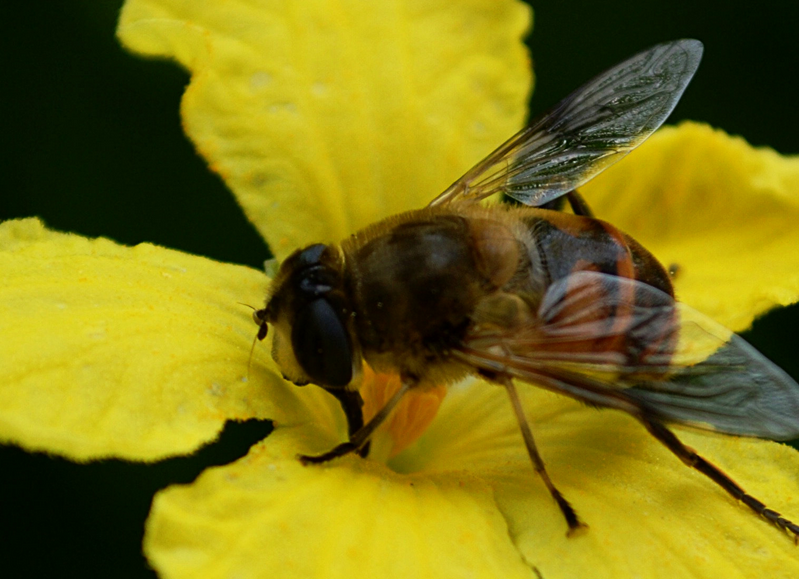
(574, 522)
(714, 473)
(361, 437)
(576, 202)
(352, 405)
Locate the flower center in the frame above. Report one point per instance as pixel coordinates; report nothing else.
(410, 418)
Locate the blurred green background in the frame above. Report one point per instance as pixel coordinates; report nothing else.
(93, 145)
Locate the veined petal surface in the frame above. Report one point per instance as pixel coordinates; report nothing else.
(133, 352)
(648, 514)
(268, 516)
(323, 117)
(464, 501)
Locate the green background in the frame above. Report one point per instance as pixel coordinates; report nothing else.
(93, 145)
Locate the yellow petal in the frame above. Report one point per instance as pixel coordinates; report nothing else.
(724, 212)
(268, 516)
(648, 514)
(467, 503)
(323, 117)
(135, 352)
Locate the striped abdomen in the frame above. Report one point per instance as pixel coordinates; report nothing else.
(637, 324)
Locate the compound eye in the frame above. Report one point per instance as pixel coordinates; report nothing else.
(321, 344)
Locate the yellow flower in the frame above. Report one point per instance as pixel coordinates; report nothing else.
(322, 118)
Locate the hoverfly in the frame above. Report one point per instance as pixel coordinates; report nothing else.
(560, 300)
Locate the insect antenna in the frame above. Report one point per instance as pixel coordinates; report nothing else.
(257, 316)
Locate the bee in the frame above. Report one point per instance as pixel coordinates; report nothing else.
(529, 292)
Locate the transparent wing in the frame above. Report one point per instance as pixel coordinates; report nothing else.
(588, 131)
(621, 343)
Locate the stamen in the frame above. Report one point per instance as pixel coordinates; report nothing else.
(408, 421)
